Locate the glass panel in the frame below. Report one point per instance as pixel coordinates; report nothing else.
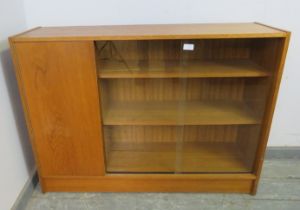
(139, 100)
(227, 97)
(183, 106)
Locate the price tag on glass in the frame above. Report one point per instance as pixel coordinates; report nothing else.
(188, 47)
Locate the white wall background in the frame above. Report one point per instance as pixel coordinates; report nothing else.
(280, 13)
(16, 15)
(16, 161)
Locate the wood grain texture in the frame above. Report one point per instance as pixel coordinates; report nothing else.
(164, 50)
(172, 89)
(25, 107)
(247, 139)
(63, 106)
(170, 134)
(238, 183)
(140, 32)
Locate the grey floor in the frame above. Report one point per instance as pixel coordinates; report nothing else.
(279, 190)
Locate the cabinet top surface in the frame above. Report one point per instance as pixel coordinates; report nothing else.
(162, 31)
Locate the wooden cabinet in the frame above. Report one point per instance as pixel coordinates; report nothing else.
(158, 108)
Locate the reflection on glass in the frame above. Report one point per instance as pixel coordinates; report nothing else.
(181, 106)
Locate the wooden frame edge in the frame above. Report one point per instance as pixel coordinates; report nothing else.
(275, 28)
(97, 81)
(158, 37)
(24, 105)
(19, 38)
(133, 184)
(260, 153)
(12, 38)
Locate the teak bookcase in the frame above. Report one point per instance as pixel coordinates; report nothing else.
(166, 108)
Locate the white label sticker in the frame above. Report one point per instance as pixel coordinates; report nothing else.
(189, 47)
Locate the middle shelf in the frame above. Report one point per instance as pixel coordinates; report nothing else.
(218, 112)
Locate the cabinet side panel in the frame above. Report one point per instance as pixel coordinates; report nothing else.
(59, 85)
(275, 63)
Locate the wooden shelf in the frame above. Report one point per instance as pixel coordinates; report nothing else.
(161, 157)
(175, 113)
(173, 69)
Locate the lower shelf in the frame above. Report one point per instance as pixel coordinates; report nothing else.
(171, 158)
(166, 113)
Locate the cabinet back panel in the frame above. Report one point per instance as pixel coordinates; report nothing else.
(167, 134)
(172, 49)
(172, 89)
